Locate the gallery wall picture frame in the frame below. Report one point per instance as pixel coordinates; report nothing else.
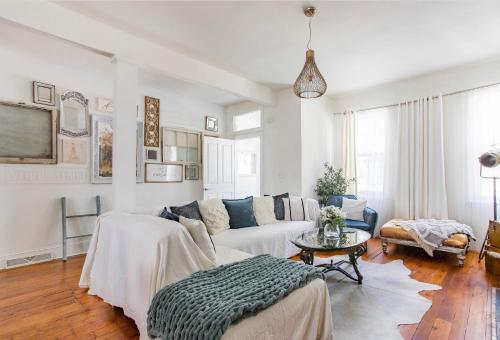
(163, 173)
(44, 94)
(152, 155)
(181, 145)
(28, 134)
(73, 150)
(211, 124)
(104, 105)
(192, 172)
(102, 149)
(151, 121)
(139, 171)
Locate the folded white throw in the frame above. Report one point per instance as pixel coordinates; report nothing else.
(431, 233)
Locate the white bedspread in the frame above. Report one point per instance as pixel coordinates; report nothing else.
(274, 239)
(133, 256)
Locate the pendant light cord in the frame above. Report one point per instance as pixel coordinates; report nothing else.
(309, 42)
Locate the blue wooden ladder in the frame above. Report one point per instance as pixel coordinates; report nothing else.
(65, 217)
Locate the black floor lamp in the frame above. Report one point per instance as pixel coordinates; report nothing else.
(490, 159)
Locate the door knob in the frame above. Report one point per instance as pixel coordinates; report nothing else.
(206, 189)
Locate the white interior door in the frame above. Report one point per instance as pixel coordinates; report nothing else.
(218, 168)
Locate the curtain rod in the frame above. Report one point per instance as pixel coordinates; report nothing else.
(433, 97)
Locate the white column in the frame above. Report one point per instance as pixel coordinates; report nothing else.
(124, 135)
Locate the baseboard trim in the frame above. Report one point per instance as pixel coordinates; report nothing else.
(74, 247)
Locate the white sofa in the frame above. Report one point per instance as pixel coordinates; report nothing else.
(275, 239)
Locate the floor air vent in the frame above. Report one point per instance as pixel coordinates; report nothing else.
(24, 261)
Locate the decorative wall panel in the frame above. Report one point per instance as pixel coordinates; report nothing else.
(151, 122)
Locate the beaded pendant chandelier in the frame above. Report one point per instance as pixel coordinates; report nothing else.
(310, 83)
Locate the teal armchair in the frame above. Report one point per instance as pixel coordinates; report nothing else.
(370, 216)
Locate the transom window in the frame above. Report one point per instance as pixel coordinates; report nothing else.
(247, 121)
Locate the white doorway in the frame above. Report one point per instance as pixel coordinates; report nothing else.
(218, 168)
(247, 155)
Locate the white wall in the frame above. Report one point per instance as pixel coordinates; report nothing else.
(446, 81)
(450, 80)
(317, 141)
(282, 145)
(29, 202)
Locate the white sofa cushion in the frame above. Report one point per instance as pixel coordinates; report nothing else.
(200, 236)
(274, 239)
(301, 209)
(263, 209)
(214, 215)
(353, 209)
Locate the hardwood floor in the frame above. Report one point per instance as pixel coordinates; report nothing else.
(43, 301)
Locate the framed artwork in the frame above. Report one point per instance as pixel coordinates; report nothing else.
(211, 124)
(27, 134)
(151, 122)
(104, 105)
(44, 94)
(139, 170)
(74, 151)
(180, 145)
(192, 172)
(163, 173)
(102, 149)
(153, 155)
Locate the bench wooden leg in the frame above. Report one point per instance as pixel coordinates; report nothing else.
(384, 246)
(461, 258)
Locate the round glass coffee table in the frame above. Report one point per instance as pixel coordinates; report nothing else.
(352, 240)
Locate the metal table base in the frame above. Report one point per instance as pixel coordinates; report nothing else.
(307, 256)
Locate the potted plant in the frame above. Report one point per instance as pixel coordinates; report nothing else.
(332, 183)
(333, 221)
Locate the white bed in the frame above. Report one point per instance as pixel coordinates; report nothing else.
(131, 257)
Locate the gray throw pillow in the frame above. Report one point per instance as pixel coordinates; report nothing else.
(279, 207)
(190, 210)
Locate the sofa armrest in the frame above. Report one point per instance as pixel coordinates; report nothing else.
(370, 217)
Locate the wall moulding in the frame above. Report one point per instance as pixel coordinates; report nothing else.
(36, 174)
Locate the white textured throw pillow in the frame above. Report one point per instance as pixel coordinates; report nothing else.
(200, 236)
(296, 209)
(214, 215)
(263, 209)
(353, 209)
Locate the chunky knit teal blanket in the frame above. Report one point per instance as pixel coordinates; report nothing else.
(203, 305)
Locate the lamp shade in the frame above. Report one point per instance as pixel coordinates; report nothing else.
(490, 159)
(310, 83)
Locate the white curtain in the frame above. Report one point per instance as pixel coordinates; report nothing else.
(418, 160)
(472, 125)
(349, 148)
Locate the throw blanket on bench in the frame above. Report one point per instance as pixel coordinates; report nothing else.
(430, 233)
(204, 305)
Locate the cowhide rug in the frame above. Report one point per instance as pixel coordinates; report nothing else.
(387, 298)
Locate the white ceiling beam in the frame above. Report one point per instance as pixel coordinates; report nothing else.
(63, 23)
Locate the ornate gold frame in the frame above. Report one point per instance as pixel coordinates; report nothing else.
(151, 122)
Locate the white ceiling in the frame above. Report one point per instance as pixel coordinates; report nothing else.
(358, 44)
(63, 53)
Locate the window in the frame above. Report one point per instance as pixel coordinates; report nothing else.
(370, 151)
(247, 121)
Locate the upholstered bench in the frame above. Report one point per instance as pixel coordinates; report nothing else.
(457, 244)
